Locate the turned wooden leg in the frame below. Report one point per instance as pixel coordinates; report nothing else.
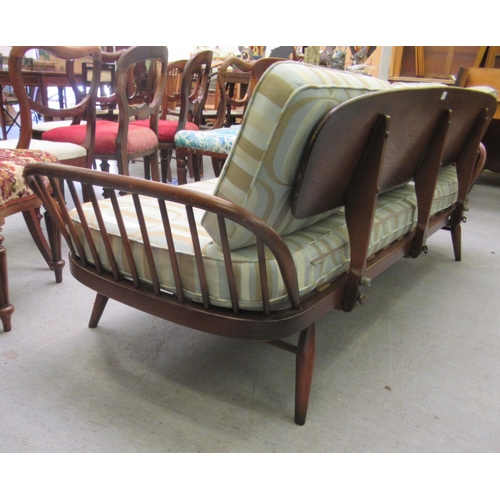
(104, 166)
(456, 239)
(98, 309)
(304, 371)
(6, 308)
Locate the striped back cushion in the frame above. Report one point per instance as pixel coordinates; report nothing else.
(260, 170)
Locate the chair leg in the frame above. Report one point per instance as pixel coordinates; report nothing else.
(147, 168)
(305, 356)
(6, 308)
(181, 169)
(51, 251)
(165, 159)
(197, 167)
(153, 167)
(456, 239)
(99, 306)
(217, 165)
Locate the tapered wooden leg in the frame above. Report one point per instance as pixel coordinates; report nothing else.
(54, 235)
(153, 166)
(217, 164)
(305, 356)
(99, 306)
(6, 308)
(147, 168)
(456, 239)
(165, 159)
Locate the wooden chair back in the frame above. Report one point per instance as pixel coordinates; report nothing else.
(194, 88)
(84, 107)
(259, 67)
(143, 101)
(172, 96)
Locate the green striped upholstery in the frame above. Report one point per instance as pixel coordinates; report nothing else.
(320, 251)
(260, 171)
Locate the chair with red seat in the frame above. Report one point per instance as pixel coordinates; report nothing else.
(117, 140)
(193, 95)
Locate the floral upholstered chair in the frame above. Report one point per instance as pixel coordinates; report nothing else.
(16, 196)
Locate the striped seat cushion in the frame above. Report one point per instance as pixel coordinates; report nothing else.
(261, 168)
(320, 251)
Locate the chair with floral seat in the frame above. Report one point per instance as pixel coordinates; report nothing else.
(217, 142)
(17, 197)
(117, 140)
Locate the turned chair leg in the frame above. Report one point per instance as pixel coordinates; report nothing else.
(6, 308)
(305, 356)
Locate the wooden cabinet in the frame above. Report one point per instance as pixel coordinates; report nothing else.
(439, 63)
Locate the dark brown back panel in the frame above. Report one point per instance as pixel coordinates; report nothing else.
(340, 139)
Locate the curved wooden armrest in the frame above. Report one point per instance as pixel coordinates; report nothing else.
(265, 235)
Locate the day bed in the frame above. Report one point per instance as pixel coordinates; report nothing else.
(333, 177)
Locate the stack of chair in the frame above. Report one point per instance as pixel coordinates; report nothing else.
(217, 142)
(193, 96)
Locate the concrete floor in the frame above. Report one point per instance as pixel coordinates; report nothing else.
(416, 369)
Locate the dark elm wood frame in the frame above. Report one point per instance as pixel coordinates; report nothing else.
(361, 148)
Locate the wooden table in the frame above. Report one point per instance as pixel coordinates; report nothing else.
(42, 80)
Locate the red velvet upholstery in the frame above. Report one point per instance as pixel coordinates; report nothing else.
(139, 138)
(166, 128)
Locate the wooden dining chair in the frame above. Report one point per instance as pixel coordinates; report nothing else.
(73, 153)
(117, 140)
(490, 77)
(217, 142)
(17, 197)
(193, 95)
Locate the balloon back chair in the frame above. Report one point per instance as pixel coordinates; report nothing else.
(218, 141)
(67, 152)
(119, 141)
(193, 96)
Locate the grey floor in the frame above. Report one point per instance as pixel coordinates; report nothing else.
(416, 369)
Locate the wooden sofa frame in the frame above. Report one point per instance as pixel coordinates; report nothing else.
(360, 149)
